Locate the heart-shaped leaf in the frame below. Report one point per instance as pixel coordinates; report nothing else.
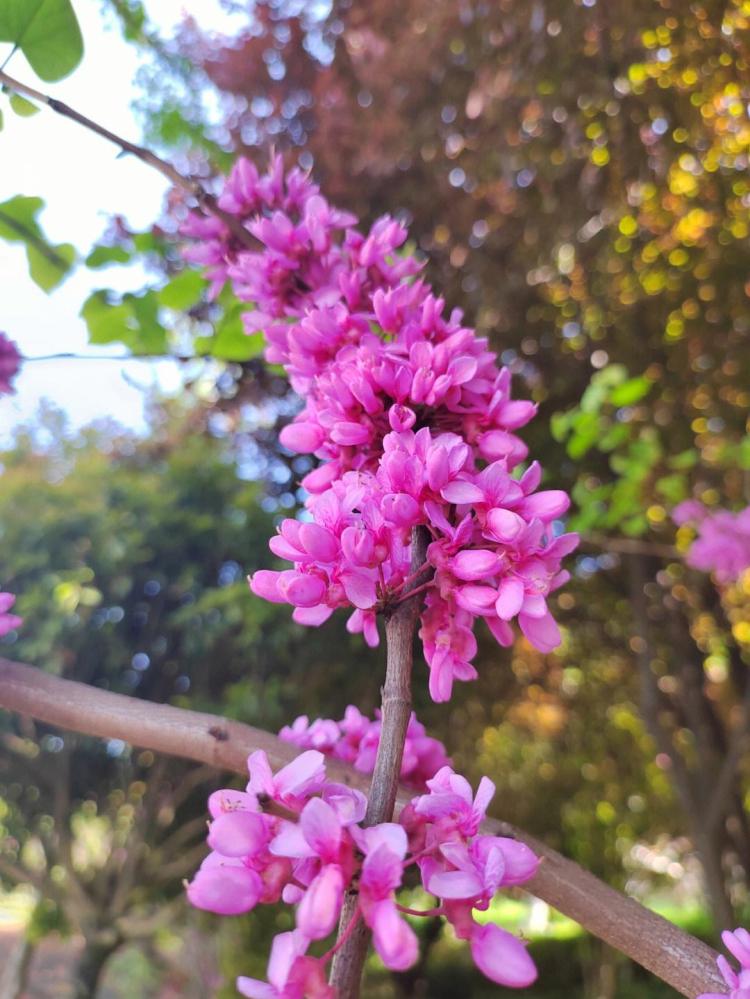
(47, 33)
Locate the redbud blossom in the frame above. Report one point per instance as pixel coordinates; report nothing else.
(355, 740)
(722, 545)
(737, 943)
(311, 858)
(411, 419)
(8, 622)
(10, 362)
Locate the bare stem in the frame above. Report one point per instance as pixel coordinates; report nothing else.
(189, 184)
(677, 958)
(346, 971)
(70, 356)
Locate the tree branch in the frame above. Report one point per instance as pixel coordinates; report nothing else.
(685, 963)
(189, 184)
(346, 971)
(628, 546)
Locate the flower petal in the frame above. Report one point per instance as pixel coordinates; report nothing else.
(502, 957)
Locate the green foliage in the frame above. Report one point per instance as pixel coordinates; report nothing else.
(23, 107)
(172, 317)
(47, 33)
(132, 320)
(183, 291)
(228, 340)
(605, 422)
(103, 256)
(49, 263)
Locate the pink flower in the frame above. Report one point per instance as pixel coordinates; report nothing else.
(8, 622)
(723, 542)
(291, 975)
(411, 419)
(311, 859)
(225, 886)
(319, 836)
(475, 872)
(292, 785)
(502, 957)
(737, 942)
(449, 802)
(355, 739)
(688, 511)
(10, 362)
(382, 870)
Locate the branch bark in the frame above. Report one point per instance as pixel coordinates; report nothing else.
(683, 962)
(346, 971)
(189, 184)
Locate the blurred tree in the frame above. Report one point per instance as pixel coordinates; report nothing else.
(589, 164)
(130, 557)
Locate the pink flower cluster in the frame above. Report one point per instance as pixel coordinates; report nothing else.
(8, 622)
(355, 740)
(10, 362)
(722, 545)
(413, 423)
(295, 836)
(738, 944)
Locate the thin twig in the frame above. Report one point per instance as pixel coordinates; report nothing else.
(189, 184)
(679, 959)
(70, 356)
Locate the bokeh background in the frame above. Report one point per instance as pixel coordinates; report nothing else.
(576, 174)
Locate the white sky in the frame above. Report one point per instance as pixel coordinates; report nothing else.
(83, 182)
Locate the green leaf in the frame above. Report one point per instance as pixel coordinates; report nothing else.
(1, 120)
(49, 264)
(631, 391)
(133, 321)
(183, 291)
(616, 435)
(107, 322)
(684, 460)
(586, 432)
(23, 107)
(101, 256)
(559, 426)
(47, 33)
(672, 487)
(48, 271)
(231, 342)
(151, 337)
(146, 242)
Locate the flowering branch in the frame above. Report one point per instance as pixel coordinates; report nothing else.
(189, 184)
(677, 958)
(346, 972)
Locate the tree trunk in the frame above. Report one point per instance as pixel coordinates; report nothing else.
(91, 966)
(15, 974)
(691, 789)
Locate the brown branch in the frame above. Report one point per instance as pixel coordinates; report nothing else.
(189, 184)
(685, 963)
(628, 546)
(348, 963)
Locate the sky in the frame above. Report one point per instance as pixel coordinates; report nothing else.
(82, 181)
